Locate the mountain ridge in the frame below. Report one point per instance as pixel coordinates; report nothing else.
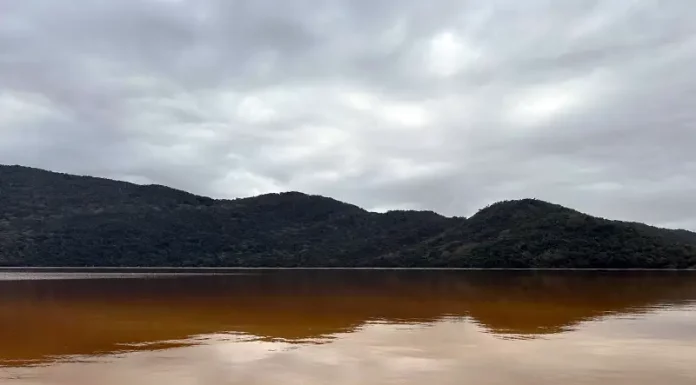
(59, 219)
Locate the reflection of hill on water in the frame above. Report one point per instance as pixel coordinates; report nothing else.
(39, 319)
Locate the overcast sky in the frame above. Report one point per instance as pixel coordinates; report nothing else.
(445, 105)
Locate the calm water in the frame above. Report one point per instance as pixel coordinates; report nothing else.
(362, 327)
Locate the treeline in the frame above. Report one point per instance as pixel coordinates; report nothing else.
(52, 219)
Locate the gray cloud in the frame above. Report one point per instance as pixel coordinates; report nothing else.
(445, 105)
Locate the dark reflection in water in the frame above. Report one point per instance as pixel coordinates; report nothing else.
(44, 320)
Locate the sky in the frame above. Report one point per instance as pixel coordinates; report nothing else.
(444, 105)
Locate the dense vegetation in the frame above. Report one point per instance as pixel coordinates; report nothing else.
(52, 219)
(533, 233)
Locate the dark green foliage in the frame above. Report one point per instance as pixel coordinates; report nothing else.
(532, 233)
(52, 219)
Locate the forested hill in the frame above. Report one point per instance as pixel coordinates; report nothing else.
(53, 219)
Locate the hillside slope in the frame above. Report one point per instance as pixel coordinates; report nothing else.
(533, 233)
(53, 219)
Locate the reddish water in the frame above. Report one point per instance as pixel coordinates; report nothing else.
(348, 327)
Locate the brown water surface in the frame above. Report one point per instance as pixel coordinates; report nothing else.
(347, 327)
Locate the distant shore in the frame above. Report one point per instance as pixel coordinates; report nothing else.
(232, 269)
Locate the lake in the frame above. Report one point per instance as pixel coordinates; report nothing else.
(368, 327)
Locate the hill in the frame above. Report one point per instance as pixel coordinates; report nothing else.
(533, 233)
(53, 219)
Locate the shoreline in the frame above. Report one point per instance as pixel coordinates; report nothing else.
(173, 268)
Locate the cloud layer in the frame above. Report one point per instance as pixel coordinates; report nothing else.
(445, 105)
